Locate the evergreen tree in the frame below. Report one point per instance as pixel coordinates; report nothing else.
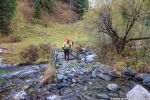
(81, 6)
(37, 12)
(7, 8)
(47, 4)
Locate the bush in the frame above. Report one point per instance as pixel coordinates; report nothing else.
(35, 54)
(48, 75)
(29, 54)
(10, 39)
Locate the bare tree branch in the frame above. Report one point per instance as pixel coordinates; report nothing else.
(136, 39)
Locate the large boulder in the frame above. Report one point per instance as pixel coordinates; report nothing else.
(138, 93)
(146, 81)
(113, 87)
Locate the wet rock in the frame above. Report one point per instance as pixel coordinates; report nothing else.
(113, 87)
(129, 71)
(146, 82)
(141, 76)
(104, 77)
(60, 76)
(20, 95)
(102, 96)
(138, 93)
(53, 97)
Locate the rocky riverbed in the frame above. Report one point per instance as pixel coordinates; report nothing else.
(74, 80)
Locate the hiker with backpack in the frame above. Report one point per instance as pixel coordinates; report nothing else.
(67, 47)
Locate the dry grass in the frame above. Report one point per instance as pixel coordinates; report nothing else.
(10, 39)
(48, 75)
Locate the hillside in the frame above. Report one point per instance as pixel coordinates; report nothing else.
(61, 12)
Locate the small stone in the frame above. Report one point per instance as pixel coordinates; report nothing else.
(85, 88)
(102, 96)
(94, 74)
(74, 80)
(60, 76)
(113, 87)
(90, 83)
(62, 85)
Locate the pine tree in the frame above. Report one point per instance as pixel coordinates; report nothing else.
(81, 6)
(7, 8)
(37, 12)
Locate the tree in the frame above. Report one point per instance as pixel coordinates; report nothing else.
(81, 6)
(7, 8)
(37, 12)
(47, 4)
(132, 15)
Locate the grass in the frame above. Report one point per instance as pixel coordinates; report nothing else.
(52, 34)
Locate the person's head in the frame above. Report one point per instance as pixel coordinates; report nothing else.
(68, 41)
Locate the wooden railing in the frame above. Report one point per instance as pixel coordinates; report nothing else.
(54, 56)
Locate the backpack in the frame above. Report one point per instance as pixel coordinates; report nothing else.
(67, 46)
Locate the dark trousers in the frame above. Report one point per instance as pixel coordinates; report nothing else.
(66, 54)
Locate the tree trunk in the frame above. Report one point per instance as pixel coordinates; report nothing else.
(118, 45)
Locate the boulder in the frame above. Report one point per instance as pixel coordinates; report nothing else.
(104, 77)
(141, 76)
(113, 87)
(90, 58)
(129, 71)
(138, 93)
(146, 81)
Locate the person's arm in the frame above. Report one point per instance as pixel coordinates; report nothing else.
(63, 45)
